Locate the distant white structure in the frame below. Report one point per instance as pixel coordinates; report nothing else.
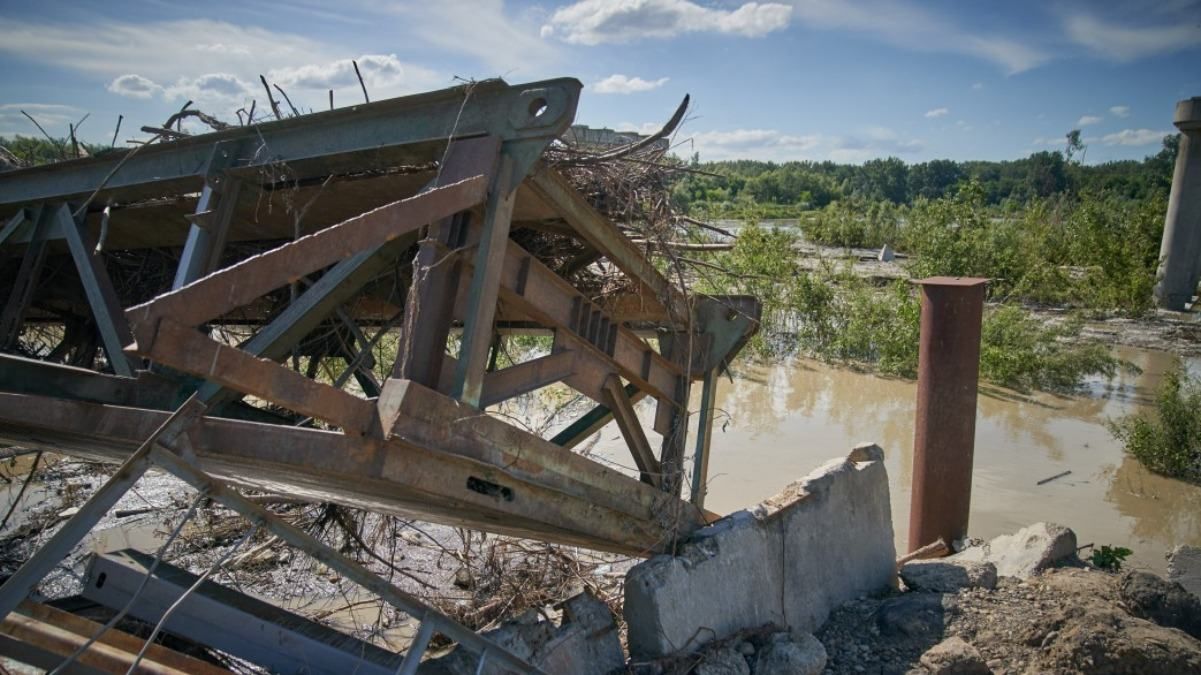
(582, 134)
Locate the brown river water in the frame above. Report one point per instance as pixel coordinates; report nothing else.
(777, 423)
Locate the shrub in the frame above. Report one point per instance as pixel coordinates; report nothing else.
(1167, 439)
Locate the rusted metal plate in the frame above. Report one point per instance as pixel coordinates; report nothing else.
(211, 296)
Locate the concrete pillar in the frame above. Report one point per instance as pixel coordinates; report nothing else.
(1180, 251)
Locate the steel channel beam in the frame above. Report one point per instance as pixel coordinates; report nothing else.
(537, 110)
(224, 619)
(704, 438)
(22, 582)
(210, 222)
(592, 421)
(26, 283)
(327, 556)
(102, 297)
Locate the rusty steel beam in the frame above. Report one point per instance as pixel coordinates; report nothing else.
(532, 288)
(185, 349)
(237, 285)
(945, 422)
(401, 475)
(604, 236)
(522, 378)
(631, 431)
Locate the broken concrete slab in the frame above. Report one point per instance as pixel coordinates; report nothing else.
(948, 576)
(1184, 567)
(788, 654)
(585, 643)
(822, 541)
(1029, 550)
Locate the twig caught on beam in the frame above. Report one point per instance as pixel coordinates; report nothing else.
(116, 131)
(295, 112)
(360, 76)
(270, 98)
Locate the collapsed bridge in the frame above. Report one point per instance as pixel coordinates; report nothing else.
(432, 218)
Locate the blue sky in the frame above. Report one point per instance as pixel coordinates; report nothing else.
(846, 80)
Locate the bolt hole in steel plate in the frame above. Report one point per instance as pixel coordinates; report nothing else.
(538, 108)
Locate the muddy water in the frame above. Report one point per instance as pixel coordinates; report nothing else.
(778, 423)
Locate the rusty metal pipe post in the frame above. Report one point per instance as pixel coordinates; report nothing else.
(945, 421)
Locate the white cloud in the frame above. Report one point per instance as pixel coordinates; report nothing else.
(1124, 42)
(775, 145)
(912, 27)
(1122, 111)
(594, 22)
(481, 29)
(1044, 142)
(963, 125)
(937, 112)
(977, 86)
(645, 129)
(620, 84)
(1086, 120)
(1135, 137)
(161, 51)
(380, 72)
(134, 86)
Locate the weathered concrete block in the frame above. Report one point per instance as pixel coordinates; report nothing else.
(1184, 567)
(787, 562)
(948, 576)
(1029, 550)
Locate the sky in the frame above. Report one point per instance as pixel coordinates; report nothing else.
(842, 80)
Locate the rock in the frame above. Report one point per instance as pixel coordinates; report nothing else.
(912, 615)
(954, 656)
(787, 654)
(68, 512)
(948, 576)
(724, 661)
(746, 649)
(886, 254)
(1184, 567)
(1164, 602)
(1027, 551)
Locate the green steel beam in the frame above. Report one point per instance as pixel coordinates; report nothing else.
(358, 137)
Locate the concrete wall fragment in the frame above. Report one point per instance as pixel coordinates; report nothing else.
(788, 562)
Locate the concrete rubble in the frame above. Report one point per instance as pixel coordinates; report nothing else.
(788, 562)
(1029, 550)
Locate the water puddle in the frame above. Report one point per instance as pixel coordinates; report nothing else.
(777, 423)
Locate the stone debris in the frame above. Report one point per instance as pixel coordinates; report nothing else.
(1184, 567)
(585, 643)
(914, 615)
(725, 661)
(1030, 550)
(786, 654)
(948, 576)
(886, 254)
(822, 541)
(954, 656)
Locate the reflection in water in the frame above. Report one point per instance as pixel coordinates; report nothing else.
(777, 423)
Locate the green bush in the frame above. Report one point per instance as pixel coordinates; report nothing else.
(1167, 439)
